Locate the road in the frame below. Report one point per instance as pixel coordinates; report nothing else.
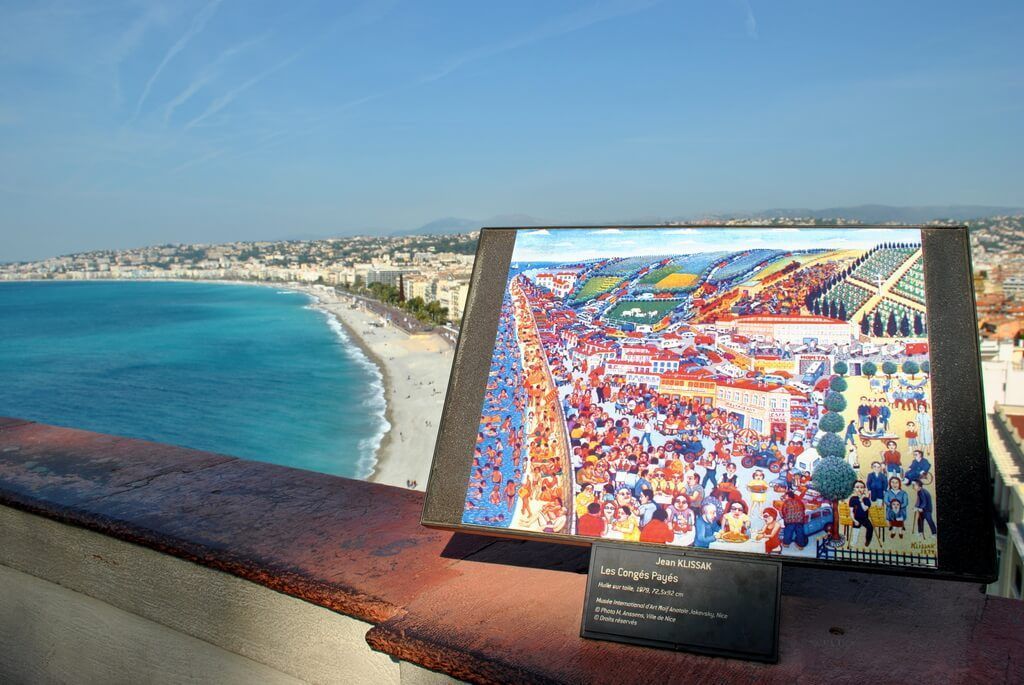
(402, 319)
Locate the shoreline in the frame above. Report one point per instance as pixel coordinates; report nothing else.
(410, 366)
(386, 381)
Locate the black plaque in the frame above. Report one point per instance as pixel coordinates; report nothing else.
(685, 600)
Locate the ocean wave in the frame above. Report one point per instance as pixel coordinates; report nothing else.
(377, 402)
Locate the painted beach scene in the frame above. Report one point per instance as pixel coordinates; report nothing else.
(759, 390)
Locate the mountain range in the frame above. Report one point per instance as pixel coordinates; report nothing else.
(869, 214)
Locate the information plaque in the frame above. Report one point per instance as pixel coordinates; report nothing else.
(676, 599)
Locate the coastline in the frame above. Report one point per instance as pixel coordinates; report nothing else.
(414, 371)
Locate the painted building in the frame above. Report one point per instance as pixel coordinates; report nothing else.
(763, 407)
(688, 385)
(794, 329)
(560, 283)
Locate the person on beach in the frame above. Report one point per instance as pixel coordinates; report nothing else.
(510, 494)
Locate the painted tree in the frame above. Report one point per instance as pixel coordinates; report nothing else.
(905, 326)
(889, 368)
(831, 423)
(876, 325)
(918, 325)
(841, 368)
(834, 401)
(869, 369)
(865, 325)
(890, 325)
(834, 479)
(842, 311)
(838, 383)
(911, 368)
(926, 367)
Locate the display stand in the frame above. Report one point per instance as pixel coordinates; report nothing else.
(678, 598)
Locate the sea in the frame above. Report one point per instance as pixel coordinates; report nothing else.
(250, 371)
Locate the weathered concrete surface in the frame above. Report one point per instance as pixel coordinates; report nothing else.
(50, 634)
(285, 634)
(480, 609)
(494, 625)
(347, 545)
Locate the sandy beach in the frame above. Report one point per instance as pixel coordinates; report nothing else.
(415, 370)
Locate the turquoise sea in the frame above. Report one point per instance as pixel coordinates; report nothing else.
(249, 371)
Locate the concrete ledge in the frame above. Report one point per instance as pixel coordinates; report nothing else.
(175, 597)
(49, 633)
(298, 532)
(475, 608)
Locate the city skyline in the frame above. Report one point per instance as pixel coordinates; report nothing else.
(128, 124)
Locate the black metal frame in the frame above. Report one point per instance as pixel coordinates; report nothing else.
(966, 545)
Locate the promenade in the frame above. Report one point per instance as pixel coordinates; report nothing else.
(395, 316)
(548, 465)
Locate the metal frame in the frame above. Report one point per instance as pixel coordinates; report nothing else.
(966, 545)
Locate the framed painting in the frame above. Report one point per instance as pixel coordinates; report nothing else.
(807, 393)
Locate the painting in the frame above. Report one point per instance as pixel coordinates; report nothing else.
(763, 391)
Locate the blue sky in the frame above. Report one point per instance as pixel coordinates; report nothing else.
(580, 244)
(128, 123)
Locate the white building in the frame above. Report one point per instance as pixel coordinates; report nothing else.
(560, 283)
(1006, 449)
(453, 293)
(1002, 374)
(794, 329)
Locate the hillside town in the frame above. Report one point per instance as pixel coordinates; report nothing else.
(434, 268)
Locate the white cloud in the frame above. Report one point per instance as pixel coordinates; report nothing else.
(197, 26)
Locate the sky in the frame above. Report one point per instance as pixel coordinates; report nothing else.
(127, 123)
(569, 245)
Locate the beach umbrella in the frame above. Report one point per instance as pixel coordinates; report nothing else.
(747, 436)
